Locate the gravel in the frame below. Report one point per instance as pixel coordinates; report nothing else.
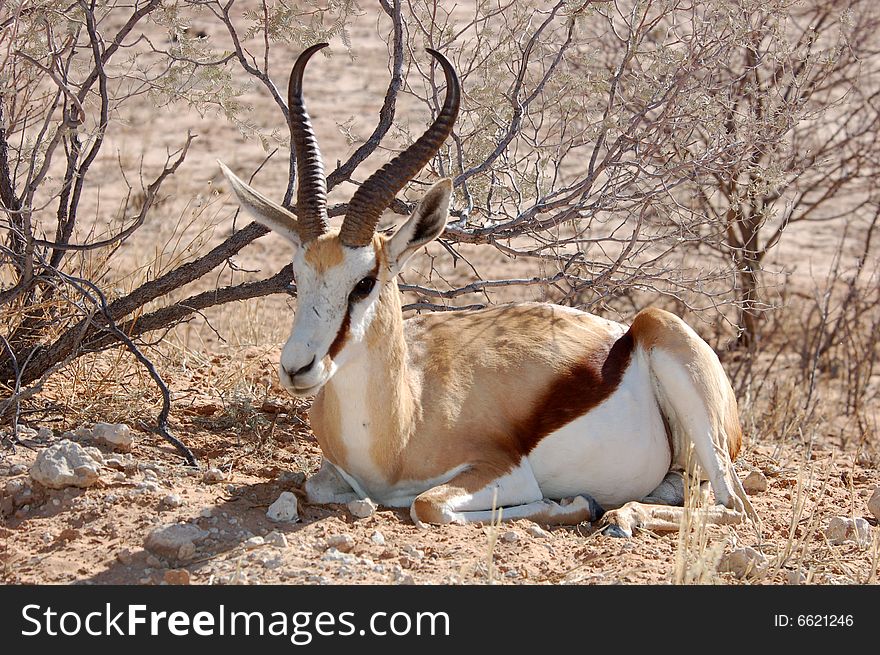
(538, 532)
(176, 541)
(341, 542)
(213, 474)
(172, 500)
(743, 561)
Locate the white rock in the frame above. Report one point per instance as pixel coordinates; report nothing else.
(174, 541)
(341, 542)
(336, 555)
(254, 542)
(172, 500)
(117, 435)
(362, 508)
(377, 538)
(874, 504)
(66, 464)
(413, 552)
(276, 539)
(213, 474)
(95, 454)
(283, 510)
(538, 532)
(842, 529)
(755, 482)
(743, 561)
(510, 537)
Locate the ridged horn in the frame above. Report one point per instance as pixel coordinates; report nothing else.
(311, 191)
(377, 193)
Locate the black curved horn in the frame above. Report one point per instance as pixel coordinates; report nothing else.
(311, 192)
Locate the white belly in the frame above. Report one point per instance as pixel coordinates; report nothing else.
(616, 453)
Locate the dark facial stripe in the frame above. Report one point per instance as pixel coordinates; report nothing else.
(574, 393)
(341, 335)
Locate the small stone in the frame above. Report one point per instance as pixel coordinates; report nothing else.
(341, 542)
(176, 577)
(116, 435)
(213, 474)
(254, 542)
(362, 508)
(743, 561)
(125, 556)
(842, 529)
(377, 538)
(17, 469)
(206, 513)
(538, 532)
(874, 504)
(153, 562)
(66, 464)
(25, 432)
(45, 434)
(510, 537)
(755, 482)
(272, 562)
(795, 577)
(174, 541)
(276, 539)
(283, 510)
(294, 478)
(172, 500)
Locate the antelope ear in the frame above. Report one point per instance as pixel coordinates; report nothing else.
(263, 210)
(426, 224)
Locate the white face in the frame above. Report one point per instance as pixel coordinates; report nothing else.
(337, 288)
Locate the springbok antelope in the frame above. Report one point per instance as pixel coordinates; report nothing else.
(548, 412)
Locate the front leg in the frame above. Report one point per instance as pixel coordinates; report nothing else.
(470, 496)
(328, 486)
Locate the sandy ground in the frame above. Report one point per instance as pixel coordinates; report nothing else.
(231, 412)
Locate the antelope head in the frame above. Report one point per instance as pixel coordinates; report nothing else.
(341, 274)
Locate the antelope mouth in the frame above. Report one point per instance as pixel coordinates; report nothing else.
(302, 392)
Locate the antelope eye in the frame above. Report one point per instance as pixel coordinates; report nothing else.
(363, 288)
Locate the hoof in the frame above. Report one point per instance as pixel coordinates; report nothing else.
(596, 510)
(616, 531)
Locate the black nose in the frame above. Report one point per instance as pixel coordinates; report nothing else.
(302, 369)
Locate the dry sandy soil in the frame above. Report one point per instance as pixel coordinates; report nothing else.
(230, 411)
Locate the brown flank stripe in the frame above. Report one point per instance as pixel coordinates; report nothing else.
(574, 393)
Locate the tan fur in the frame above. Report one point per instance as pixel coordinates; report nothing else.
(324, 253)
(434, 380)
